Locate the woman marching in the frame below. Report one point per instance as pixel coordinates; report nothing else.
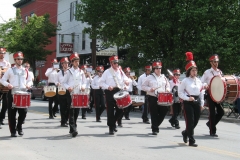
(190, 90)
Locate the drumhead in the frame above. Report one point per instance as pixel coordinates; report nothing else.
(217, 89)
(120, 94)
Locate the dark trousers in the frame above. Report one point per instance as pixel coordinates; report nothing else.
(111, 103)
(64, 107)
(12, 114)
(52, 110)
(99, 102)
(157, 112)
(191, 114)
(73, 115)
(91, 99)
(176, 111)
(4, 107)
(214, 117)
(126, 112)
(84, 110)
(145, 106)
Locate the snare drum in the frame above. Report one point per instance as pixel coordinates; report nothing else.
(49, 91)
(165, 99)
(80, 100)
(223, 88)
(21, 99)
(123, 99)
(61, 90)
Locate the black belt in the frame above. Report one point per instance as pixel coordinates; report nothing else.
(195, 97)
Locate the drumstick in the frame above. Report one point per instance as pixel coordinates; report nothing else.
(189, 94)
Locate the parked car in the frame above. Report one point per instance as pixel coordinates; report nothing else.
(38, 90)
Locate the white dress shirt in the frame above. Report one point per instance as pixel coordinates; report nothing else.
(60, 77)
(160, 83)
(208, 74)
(30, 74)
(51, 73)
(108, 80)
(132, 83)
(141, 79)
(89, 81)
(75, 78)
(5, 64)
(20, 80)
(95, 82)
(190, 86)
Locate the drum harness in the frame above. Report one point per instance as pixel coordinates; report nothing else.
(158, 84)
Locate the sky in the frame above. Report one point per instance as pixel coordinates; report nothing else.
(7, 10)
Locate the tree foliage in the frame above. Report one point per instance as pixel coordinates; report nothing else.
(31, 38)
(166, 29)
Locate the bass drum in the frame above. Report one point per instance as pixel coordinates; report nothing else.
(224, 89)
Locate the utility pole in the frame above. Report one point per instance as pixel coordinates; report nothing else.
(94, 43)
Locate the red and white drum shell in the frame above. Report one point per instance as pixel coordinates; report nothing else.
(224, 88)
(165, 99)
(80, 100)
(123, 99)
(21, 99)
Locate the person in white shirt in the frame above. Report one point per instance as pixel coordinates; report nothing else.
(30, 73)
(215, 109)
(88, 87)
(16, 78)
(3, 65)
(191, 92)
(128, 88)
(63, 100)
(51, 73)
(153, 84)
(113, 79)
(174, 83)
(98, 94)
(145, 107)
(75, 82)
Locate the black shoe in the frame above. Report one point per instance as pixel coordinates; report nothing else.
(64, 125)
(214, 135)
(54, 115)
(172, 124)
(146, 121)
(111, 132)
(98, 120)
(83, 117)
(13, 135)
(157, 131)
(193, 144)
(51, 117)
(207, 124)
(154, 133)
(57, 111)
(2, 123)
(177, 127)
(127, 118)
(185, 140)
(0, 126)
(23, 122)
(74, 133)
(115, 129)
(120, 125)
(20, 132)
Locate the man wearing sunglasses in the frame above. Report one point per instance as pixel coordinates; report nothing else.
(141, 79)
(174, 83)
(4, 65)
(153, 84)
(98, 94)
(16, 78)
(112, 81)
(214, 117)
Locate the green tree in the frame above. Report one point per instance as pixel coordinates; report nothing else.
(30, 37)
(166, 29)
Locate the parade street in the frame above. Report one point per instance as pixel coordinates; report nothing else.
(44, 139)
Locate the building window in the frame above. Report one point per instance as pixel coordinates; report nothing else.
(62, 38)
(83, 41)
(73, 7)
(26, 19)
(32, 14)
(73, 37)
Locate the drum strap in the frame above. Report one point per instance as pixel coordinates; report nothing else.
(158, 82)
(114, 77)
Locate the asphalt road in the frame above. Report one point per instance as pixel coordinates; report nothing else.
(45, 139)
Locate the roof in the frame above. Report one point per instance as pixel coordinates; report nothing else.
(21, 3)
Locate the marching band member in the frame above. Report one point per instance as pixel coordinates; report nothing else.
(157, 82)
(30, 73)
(113, 79)
(128, 88)
(74, 82)
(3, 64)
(174, 83)
(98, 93)
(63, 100)
(214, 117)
(141, 79)
(51, 73)
(190, 90)
(18, 79)
(88, 84)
